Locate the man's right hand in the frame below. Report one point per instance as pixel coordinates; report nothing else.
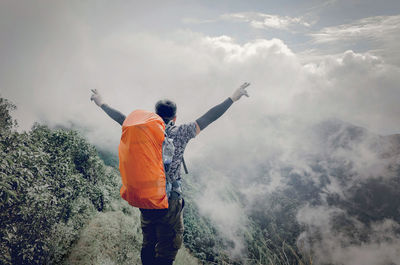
(96, 97)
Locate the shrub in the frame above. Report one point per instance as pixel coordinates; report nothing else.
(52, 182)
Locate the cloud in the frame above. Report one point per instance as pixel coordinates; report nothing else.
(373, 28)
(354, 78)
(257, 20)
(381, 247)
(224, 210)
(65, 59)
(266, 21)
(379, 34)
(346, 86)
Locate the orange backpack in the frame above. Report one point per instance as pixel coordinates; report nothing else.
(141, 161)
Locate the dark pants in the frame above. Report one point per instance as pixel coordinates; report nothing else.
(162, 233)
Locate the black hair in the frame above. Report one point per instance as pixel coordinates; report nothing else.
(166, 109)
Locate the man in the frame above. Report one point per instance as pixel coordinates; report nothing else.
(163, 228)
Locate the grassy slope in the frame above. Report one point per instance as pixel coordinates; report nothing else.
(114, 237)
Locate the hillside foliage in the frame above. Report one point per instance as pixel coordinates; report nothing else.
(52, 182)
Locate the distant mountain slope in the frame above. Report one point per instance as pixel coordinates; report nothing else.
(335, 191)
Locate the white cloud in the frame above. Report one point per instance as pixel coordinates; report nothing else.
(265, 21)
(233, 52)
(380, 35)
(223, 209)
(354, 87)
(136, 69)
(381, 246)
(257, 20)
(373, 28)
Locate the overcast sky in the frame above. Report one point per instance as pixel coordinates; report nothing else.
(313, 59)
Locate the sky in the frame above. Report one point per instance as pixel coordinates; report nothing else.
(314, 58)
(307, 62)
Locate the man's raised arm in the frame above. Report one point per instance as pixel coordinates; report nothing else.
(113, 113)
(217, 111)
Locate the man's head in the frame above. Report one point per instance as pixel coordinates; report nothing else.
(166, 109)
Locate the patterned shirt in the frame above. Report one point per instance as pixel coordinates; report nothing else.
(181, 135)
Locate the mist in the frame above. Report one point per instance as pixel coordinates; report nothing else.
(307, 117)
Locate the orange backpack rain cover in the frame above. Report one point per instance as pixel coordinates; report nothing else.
(140, 161)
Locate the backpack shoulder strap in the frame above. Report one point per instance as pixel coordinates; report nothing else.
(168, 127)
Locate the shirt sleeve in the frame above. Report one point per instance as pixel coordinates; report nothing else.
(214, 113)
(114, 114)
(187, 131)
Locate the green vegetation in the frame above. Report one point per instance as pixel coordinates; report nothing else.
(52, 182)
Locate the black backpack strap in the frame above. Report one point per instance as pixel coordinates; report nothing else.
(184, 166)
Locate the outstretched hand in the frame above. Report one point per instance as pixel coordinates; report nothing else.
(240, 92)
(96, 97)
